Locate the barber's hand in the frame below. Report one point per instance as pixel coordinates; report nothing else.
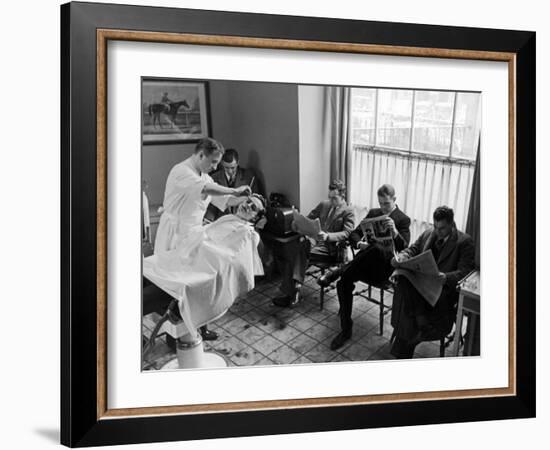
(322, 236)
(391, 226)
(363, 221)
(242, 190)
(442, 277)
(361, 245)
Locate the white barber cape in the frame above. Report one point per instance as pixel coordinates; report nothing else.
(208, 269)
(204, 267)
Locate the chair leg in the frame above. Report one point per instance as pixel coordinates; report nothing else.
(442, 347)
(322, 294)
(381, 318)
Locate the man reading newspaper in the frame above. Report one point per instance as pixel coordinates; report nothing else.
(383, 231)
(330, 222)
(425, 296)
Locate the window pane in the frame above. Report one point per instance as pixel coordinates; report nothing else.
(467, 125)
(433, 118)
(394, 118)
(363, 102)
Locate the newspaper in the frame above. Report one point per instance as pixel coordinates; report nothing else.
(306, 226)
(422, 272)
(375, 230)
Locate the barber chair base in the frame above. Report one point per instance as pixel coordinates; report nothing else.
(190, 352)
(195, 358)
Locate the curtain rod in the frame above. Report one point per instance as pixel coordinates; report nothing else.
(414, 155)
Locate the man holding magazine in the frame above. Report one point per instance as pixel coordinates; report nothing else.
(417, 316)
(372, 262)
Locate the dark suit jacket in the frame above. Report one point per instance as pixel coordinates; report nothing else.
(338, 226)
(456, 258)
(402, 223)
(242, 177)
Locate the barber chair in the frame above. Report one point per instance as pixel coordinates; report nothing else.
(188, 345)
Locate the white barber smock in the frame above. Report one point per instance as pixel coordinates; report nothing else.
(184, 205)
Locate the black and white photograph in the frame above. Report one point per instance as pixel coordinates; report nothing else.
(275, 225)
(315, 224)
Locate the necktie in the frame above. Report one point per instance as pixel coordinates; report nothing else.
(437, 248)
(330, 216)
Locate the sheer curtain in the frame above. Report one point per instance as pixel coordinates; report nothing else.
(421, 184)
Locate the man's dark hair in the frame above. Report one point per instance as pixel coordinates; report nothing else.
(444, 213)
(386, 190)
(260, 213)
(340, 186)
(230, 155)
(209, 146)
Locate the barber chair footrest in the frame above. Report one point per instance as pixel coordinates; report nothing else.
(208, 360)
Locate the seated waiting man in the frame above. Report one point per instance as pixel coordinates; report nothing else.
(372, 263)
(231, 175)
(414, 320)
(337, 221)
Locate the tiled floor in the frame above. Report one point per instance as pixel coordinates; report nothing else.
(255, 332)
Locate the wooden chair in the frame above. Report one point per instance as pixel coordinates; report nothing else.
(366, 293)
(320, 268)
(383, 308)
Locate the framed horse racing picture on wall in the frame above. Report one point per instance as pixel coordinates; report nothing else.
(174, 110)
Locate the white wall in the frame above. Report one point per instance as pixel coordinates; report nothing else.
(314, 151)
(30, 229)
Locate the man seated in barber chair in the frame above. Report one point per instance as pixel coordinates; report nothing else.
(337, 221)
(209, 268)
(414, 320)
(372, 263)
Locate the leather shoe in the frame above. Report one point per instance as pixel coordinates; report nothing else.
(340, 340)
(426, 333)
(283, 302)
(208, 335)
(287, 300)
(329, 277)
(295, 299)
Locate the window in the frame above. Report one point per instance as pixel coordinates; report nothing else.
(440, 123)
(363, 107)
(433, 122)
(394, 115)
(467, 124)
(422, 142)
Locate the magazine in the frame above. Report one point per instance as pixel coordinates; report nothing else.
(422, 272)
(375, 230)
(306, 226)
